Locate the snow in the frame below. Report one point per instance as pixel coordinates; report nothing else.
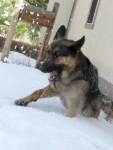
(6, 13)
(7, 22)
(42, 125)
(17, 58)
(32, 13)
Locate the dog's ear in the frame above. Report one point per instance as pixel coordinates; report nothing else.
(78, 44)
(60, 34)
(75, 46)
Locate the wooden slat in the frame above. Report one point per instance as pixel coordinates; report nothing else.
(41, 20)
(32, 14)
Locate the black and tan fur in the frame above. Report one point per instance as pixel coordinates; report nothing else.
(72, 77)
(107, 107)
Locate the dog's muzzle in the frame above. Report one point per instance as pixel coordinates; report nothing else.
(42, 68)
(46, 67)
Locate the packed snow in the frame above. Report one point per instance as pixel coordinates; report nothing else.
(42, 125)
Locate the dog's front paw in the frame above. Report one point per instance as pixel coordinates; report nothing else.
(24, 101)
(21, 102)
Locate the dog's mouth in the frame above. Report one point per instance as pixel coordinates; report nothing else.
(53, 75)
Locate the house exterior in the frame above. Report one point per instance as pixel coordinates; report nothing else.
(94, 19)
(62, 18)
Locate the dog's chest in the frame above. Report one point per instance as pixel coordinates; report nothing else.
(73, 92)
(70, 90)
(58, 86)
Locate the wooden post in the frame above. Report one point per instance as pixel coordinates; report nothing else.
(46, 38)
(10, 34)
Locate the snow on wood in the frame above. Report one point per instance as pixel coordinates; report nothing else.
(33, 14)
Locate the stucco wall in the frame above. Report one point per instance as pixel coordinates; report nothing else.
(99, 41)
(62, 16)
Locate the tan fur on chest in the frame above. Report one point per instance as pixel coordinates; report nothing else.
(72, 95)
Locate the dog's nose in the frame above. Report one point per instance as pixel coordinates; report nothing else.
(42, 68)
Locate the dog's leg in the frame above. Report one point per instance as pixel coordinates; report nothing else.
(72, 112)
(107, 107)
(73, 108)
(41, 93)
(92, 109)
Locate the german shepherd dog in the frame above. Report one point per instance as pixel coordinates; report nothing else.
(72, 77)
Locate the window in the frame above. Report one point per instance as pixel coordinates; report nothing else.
(92, 14)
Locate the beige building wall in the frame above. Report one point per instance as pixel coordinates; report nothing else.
(99, 41)
(62, 16)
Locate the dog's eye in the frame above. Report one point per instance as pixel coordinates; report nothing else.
(56, 55)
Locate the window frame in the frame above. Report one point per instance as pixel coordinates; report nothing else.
(91, 25)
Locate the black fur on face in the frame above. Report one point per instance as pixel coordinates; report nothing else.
(63, 48)
(49, 64)
(68, 47)
(48, 67)
(60, 33)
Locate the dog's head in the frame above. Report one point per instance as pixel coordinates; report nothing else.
(62, 56)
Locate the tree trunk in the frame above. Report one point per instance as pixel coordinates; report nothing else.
(11, 31)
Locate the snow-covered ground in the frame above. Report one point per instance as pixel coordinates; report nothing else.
(43, 125)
